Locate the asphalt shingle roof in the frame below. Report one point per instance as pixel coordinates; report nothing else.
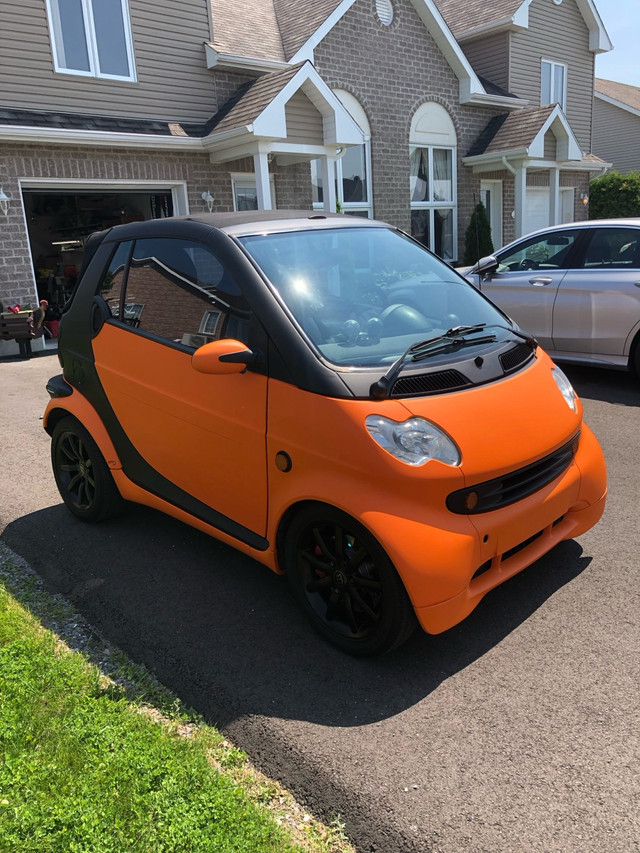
(267, 29)
(251, 100)
(623, 92)
(463, 15)
(511, 131)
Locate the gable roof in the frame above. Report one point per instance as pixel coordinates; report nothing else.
(263, 35)
(299, 20)
(621, 95)
(470, 18)
(522, 134)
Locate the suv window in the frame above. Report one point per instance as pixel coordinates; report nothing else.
(546, 251)
(613, 247)
(175, 289)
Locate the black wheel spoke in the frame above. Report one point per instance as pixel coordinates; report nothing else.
(314, 561)
(366, 583)
(319, 584)
(364, 606)
(357, 558)
(322, 545)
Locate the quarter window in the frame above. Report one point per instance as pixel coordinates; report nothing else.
(92, 37)
(176, 290)
(553, 88)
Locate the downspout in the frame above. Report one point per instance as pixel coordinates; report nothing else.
(508, 165)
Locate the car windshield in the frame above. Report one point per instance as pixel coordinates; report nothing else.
(364, 294)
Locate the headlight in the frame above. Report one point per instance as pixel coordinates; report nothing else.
(566, 389)
(414, 442)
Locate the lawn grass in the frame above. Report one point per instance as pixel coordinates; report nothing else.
(98, 764)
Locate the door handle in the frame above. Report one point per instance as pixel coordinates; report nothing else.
(540, 281)
(637, 283)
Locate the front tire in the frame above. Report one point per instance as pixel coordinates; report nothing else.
(82, 476)
(345, 582)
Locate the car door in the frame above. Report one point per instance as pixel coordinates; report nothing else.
(196, 440)
(598, 303)
(527, 279)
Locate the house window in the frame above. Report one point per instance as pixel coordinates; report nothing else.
(245, 192)
(353, 169)
(432, 180)
(553, 88)
(92, 38)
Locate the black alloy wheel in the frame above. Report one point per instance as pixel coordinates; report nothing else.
(82, 476)
(346, 583)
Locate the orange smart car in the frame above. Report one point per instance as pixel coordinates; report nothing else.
(327, 396)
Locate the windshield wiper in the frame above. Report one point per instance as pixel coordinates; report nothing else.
(454, 337)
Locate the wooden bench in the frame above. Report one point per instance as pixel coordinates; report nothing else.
(15, 327)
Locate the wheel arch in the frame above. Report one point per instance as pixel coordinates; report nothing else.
(77, 407)
(634, 350)
(285, 522)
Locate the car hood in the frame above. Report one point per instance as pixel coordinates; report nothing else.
(503, 425)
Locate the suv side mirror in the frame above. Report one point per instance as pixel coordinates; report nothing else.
(223, 357)
(485, 266)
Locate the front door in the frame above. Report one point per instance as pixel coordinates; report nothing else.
(193, 439)
(526, 282)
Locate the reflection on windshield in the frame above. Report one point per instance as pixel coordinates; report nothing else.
(362, 295)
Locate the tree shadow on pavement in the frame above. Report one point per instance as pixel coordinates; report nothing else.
(224, 634)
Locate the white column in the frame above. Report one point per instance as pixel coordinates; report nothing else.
(520, 181)
(555, 210)
(263, 187)
(329, 183)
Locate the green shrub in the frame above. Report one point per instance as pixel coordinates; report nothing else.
(477, 238)
(614, 195)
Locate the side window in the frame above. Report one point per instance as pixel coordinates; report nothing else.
(110, 287)
(178, 290)
(550, 251)
(613, 247)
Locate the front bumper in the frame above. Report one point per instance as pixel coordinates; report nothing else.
(448, 571)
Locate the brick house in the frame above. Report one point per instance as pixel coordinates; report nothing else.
(406, 110)
(616, 124)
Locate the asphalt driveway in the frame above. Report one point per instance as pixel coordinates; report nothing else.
(515, 731)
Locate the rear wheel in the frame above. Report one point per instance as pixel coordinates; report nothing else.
(82, 476)
(346, 583)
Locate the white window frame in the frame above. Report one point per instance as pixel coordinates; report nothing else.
(494, 210)
(354, 108)
(553, 66)
(91, 42)
(432, 206)
(248, 179)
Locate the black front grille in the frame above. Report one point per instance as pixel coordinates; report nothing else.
(516, 357)
(429, 383)
(494, 494)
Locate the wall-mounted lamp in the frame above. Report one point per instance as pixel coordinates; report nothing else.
(585, 198)
(4, 202)
(208, 199)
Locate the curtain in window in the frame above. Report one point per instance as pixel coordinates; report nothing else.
(419, 174)
(442, 175)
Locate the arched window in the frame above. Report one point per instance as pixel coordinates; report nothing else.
(353, 169)
(433, 180)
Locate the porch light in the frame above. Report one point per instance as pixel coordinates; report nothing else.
(208, 199)
(4, 202)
